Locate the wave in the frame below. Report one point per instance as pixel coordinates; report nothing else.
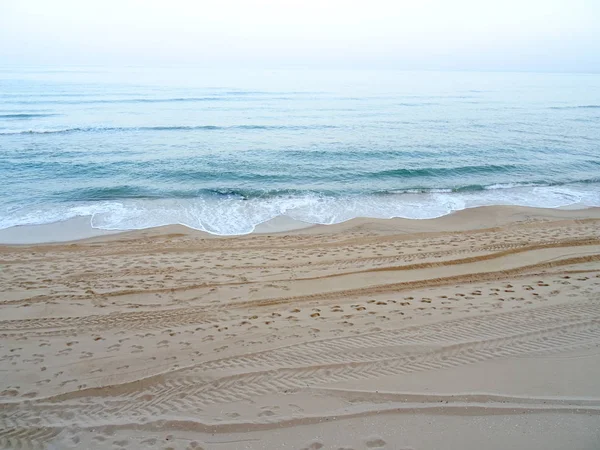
(576, 107)
(474, 188)
(443, 171)
(166, 128)
(418, 104)
(109, 193)
(124, 192)
(25, 116)
(211, 98)
(497, 186)
(418, 191)
(213, 92)
(233, 212)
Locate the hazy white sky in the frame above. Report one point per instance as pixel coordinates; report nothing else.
(540, 35)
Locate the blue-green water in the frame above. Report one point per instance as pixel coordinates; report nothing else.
(223, 151)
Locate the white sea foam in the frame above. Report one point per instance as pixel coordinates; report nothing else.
(497, 186)
(231, 216)
(421, 191)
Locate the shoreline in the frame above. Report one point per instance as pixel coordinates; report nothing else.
(80, 229)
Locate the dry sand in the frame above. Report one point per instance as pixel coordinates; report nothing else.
(479, 330)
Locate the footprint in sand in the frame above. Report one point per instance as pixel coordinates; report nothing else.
(375, 442)
(313, 446)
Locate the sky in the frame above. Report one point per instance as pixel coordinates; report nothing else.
(511, 35)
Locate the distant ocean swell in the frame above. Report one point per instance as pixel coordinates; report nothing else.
(24, 116)
(576, 107)
(84, 101)
(228, 172)
(166, 128)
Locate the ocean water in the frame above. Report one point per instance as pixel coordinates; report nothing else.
(223, 151)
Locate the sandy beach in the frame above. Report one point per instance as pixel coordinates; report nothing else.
(476, 330)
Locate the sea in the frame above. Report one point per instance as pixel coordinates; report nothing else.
(225, 150)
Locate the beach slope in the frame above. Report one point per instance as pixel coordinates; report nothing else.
(476, 330)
